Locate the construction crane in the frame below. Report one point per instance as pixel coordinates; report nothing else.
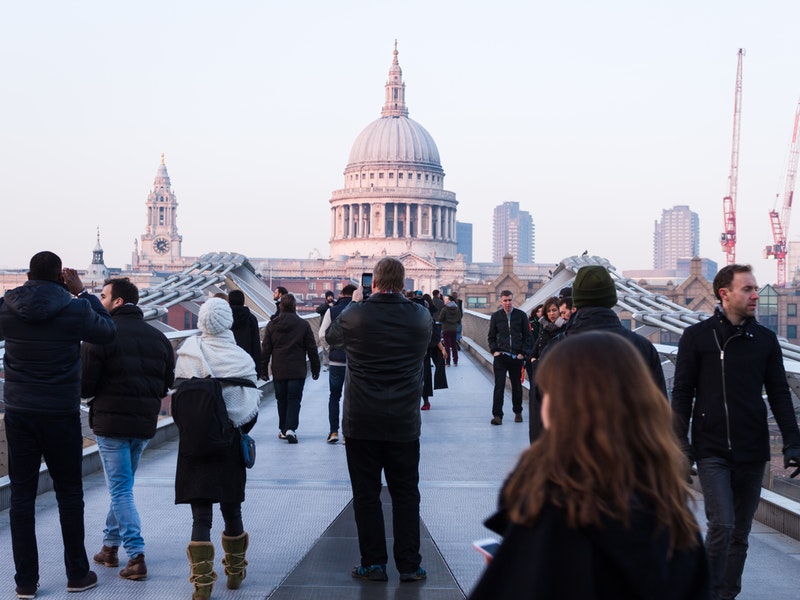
(728, 237)
(780, 222)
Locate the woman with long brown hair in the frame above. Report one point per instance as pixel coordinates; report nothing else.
(597, 507)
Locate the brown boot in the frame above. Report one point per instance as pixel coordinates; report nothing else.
(201, 560)
(235, 548)
(136, 569)
(107, 556)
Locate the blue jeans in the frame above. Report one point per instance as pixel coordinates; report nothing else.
(731, 492)
(58, 439)
(120, 458)
(336, 384)
(288, 394)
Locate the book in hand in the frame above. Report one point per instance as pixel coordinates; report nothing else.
(488, 547)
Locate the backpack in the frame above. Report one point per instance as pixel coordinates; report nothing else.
(198, 410)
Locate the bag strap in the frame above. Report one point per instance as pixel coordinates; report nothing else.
(236, 381)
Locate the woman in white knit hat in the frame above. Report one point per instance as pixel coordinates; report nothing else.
(204, 482)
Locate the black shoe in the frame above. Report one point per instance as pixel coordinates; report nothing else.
(518, 418)
(26, 591)
(85, 583)
(370, 573)
(291, 436)
(417, 575)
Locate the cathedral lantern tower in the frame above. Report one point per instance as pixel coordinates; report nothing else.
(160, 243)
(393, 201)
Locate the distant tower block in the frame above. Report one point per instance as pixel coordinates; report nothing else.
(677, 235)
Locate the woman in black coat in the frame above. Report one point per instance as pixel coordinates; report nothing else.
(203, 482)
(597, 508)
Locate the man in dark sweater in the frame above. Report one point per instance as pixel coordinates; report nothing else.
(126, 380)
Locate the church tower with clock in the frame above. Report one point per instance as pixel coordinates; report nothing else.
(160, 245)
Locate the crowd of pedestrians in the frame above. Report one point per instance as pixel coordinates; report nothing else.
(601, 490)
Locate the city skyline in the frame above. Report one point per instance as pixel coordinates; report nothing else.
(593, 118)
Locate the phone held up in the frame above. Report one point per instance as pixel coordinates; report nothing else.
(487, 547)
(366, 284)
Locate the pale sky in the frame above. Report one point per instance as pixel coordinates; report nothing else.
(594, 116)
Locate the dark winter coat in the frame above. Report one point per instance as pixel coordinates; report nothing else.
(43, 326)
(386, 338)
(596, 318)
(337, 354)
(246, 333)
(551, 561)
(450, 317)
(510, 333)
(719, 375)
(288, 340)
(217, 479)
(127, 377)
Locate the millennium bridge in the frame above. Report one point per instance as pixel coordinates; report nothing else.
(298, 511)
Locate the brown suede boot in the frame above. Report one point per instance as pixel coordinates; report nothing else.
(235, 549)
(201, 560)
(107, 556)
(136, 569)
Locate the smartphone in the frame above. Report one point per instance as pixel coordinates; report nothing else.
(366, 282)
(488, 547)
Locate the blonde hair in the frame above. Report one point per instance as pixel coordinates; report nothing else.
(610, 441)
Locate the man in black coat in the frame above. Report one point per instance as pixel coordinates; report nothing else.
(126, 379)
(245, 328)
(510, 343)
(723, 365)
(385, 338)
(43, 325)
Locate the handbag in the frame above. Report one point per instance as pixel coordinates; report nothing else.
(248, 446)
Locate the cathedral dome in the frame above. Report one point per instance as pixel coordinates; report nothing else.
(394, 139)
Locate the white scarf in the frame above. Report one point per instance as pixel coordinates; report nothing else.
(219, 356)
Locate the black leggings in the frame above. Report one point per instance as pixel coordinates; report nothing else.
(202, 515)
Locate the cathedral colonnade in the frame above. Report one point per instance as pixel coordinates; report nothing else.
(422, 220)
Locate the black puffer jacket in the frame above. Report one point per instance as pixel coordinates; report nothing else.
(385, 338)
(719, 375)
(510, 333)
(128, 377)
(288, 340)
(43, 326)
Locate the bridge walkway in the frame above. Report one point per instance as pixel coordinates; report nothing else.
(297, 512)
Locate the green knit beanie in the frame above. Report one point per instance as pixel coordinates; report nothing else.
(593, 286)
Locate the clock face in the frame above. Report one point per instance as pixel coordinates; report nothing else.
(161, 245)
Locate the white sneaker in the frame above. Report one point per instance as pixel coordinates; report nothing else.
(291, 436)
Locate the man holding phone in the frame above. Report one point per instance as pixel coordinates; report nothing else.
(385, 338)
(43, 325)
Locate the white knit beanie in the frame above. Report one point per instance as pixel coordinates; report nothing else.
(215, 316)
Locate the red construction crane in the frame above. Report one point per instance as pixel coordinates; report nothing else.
(780, 222)
(728, 237)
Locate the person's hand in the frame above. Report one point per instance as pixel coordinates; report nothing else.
(691, 472)
(315, 376)
(495, 354)
(72, 281)
(791, 458)
(520, 357)
(358, 295)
